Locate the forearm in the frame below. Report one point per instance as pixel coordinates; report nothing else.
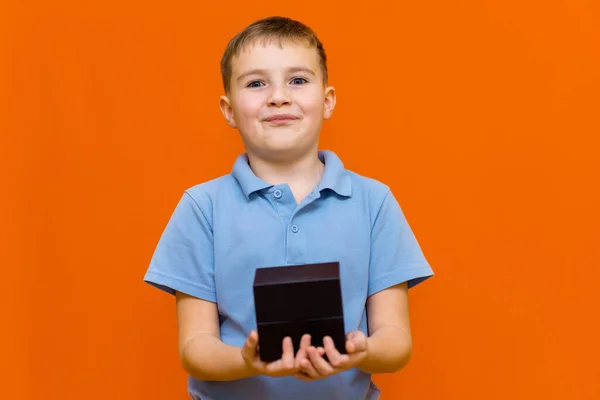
(389, 350)
(207, 358)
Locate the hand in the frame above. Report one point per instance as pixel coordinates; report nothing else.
(282, 367)
(302, 357)
(315, 367)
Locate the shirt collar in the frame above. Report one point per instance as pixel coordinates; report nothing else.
(249, 182)
(335, 176)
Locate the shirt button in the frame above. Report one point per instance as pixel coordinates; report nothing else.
(295, 228)
(277, 194)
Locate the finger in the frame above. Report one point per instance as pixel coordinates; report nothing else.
(336, 359)
(307, 367)
(249, 347)
(305, 341)
(350, 346)
(288, 353)
(361, 344)
(322, 366)
(285, 365)
(301, 354)
(359, 341)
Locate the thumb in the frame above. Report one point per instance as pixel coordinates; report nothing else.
(249, 347)
(355, 335)
(358, 341)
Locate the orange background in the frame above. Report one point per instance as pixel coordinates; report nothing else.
(483, 117)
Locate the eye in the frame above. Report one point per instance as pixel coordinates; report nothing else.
(255, 84)
(299, 81)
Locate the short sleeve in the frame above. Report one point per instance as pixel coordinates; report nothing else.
(396, 256)
(183, 258)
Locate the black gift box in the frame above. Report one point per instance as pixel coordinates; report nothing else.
(296, 299)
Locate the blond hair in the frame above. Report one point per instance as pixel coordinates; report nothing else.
(266, 29)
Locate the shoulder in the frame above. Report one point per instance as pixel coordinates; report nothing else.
(369, 190)
(212, 188)
(203, 195)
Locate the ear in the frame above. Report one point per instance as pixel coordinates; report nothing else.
(329, 103)
(227, 110)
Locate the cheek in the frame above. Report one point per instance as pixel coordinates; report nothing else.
(247, 108)
(311, 103)
(313, 109)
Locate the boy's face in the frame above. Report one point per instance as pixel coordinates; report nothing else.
(277, 99)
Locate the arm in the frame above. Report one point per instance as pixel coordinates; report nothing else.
(205, 357)
(183, 265)
(390, 342)
(202, 353)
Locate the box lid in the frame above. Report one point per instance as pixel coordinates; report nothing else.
(298, 292)
(297, 273)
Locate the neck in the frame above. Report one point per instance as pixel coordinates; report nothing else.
(305, 170)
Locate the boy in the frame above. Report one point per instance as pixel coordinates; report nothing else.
(285, 203)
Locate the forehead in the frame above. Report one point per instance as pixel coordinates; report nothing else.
(273, 54)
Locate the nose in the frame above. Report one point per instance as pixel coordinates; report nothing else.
(279, 96)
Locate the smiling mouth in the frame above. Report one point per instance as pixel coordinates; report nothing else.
(281, 119)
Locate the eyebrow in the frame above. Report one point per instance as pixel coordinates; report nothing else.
(262, 71)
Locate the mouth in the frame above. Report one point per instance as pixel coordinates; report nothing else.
(281, 119)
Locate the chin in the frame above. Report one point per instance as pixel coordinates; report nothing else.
(281, 150)
(283, 142)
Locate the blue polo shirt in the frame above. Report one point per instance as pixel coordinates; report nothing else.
(223, 229)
